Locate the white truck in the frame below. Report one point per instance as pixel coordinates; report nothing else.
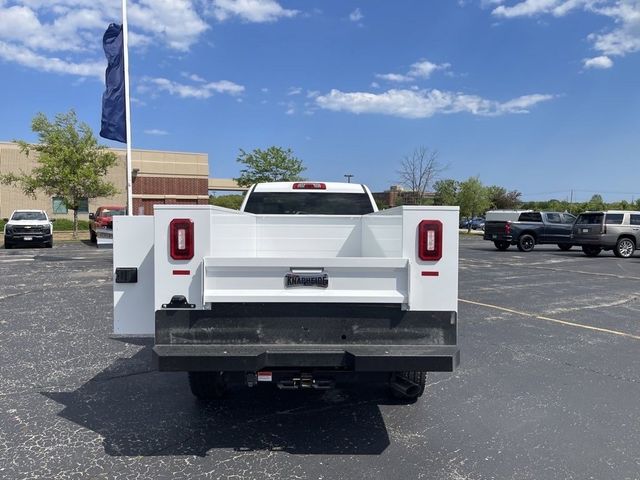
(28, 227)
(307, 286)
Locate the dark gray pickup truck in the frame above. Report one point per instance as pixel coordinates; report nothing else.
(531, 228)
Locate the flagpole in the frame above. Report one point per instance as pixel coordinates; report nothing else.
(127, 105)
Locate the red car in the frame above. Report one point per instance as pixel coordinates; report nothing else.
(103, 218)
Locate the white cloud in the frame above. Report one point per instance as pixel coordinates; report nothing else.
(35, 32)
(27, 58)
(176, 23)
(294, 91)
(394, 77)
(424, 68)
(156, 131)
(193, 77)
(421, 69)
(621, 39)
(200, 90)
(601, 62)
(356, 15)
(255, 11)
(424, 103)
(529, 8)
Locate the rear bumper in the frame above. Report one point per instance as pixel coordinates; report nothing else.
(497, 237)
(348, 338)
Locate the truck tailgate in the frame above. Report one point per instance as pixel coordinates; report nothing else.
(305, 280)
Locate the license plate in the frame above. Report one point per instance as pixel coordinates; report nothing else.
(494, 236)
(585, 230)
(27, 238)
(313, 280)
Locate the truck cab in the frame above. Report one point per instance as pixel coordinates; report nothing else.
(307, 286)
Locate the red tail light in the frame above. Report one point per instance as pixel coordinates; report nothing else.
(430, 240)
(181, 238)
(309, 186)
(507, 228)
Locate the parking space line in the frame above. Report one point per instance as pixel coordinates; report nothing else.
(561, 270)
(554, 320)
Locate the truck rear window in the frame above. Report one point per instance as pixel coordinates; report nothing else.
(590, 219)
(305, 203)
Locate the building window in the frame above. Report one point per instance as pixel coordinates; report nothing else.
(83, 205)
(58, 205)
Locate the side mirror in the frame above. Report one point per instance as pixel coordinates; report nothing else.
(5, 219)
(52, 220)
(92, 216)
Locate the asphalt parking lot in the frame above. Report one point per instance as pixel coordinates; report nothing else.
(549, 385)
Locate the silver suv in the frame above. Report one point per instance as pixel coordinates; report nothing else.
(615, 230)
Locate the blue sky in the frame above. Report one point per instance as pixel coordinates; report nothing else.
(542, 96)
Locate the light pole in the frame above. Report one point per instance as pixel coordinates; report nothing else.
(348, 177)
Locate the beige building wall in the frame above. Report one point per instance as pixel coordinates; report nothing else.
(148, 166)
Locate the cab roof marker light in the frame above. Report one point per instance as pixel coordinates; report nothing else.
(309, 186)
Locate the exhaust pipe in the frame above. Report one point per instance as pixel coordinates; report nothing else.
(405, 386)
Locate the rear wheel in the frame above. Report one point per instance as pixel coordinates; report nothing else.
(624, 248)
(526, 242)
(501, 245)
(409, 386)
(207, 385)
(565, 247)
(591, 251)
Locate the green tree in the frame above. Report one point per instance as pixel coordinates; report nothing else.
(274, 164)
(227, 201)
(71, 163)
(596, 203)
(446, 192)
(501, 199)
(473, 198)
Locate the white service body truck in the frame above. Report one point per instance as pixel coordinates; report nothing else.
(308, 285)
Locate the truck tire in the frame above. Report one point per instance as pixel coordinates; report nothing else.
(418, 379)
(526, 242)
(591, 251)
(565, 247)
(207, 385)
(624, 247)
(502, 245)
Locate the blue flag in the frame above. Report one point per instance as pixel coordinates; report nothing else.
(114, 121)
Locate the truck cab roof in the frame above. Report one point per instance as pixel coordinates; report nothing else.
(310, 186)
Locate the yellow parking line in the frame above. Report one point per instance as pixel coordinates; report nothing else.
(554, 320)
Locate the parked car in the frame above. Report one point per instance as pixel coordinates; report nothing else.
(28, 227)
(615, 230)
(103, 218)
(529, 229)
(476, 223)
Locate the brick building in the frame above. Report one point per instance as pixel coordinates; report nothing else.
(158, 178)
(396, 195)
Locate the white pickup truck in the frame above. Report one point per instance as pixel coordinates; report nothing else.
(307, 286)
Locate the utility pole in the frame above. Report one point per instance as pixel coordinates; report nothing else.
(348, 177)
